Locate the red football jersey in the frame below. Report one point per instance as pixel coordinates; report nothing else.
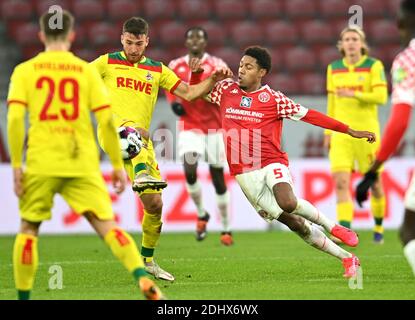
(403, 76)
(200, 114)
(252, 124)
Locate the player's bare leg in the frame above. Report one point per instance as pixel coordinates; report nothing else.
(314, 237)
(124, 248)
(222, 198)
(151, 226)
(287, 201)
(344, 203)
(194, 189)
(25, 258)
(407, 235)
(378, 206)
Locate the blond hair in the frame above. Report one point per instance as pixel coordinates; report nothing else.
(362, 35)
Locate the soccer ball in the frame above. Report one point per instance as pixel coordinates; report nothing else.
(130, 142)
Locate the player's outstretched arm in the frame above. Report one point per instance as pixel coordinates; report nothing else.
(320, 119)
(193, 92)
(394, 131)
(16, 136)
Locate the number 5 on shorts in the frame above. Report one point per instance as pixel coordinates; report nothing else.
(278, 173)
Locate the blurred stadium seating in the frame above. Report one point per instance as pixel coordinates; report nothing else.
(301, 34)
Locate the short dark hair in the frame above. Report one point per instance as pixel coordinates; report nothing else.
(53, 32)
(408, 6)
(136, 26)
(262, 56)
(205, 35)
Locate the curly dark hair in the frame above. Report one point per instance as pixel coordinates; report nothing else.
(262, 56)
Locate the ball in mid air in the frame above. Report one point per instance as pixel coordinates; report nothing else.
(130, 142)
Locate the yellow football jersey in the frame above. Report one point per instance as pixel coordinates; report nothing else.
(134, 88)
(367, 79)
(59, 91)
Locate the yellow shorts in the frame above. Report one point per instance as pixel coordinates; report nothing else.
(83, 194)
(347, 154)
(152, 167)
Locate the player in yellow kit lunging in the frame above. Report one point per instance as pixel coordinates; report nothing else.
(133, 81)
(59, 91)
(356, 85)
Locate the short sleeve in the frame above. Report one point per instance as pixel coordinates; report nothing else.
(101, 64)
(98, 95)
(403, 83)
(215, 95)
(168, 79)
(378, 74)
(287, 108)
(17, 89)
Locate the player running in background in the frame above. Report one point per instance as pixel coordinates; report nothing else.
(403, 100)
(133, 81)
(356, 85)
(59, 91)
(195, 141)
(252, 118)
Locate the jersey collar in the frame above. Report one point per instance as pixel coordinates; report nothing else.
(143, 59)
(265, 86)
(204, 57)
(358, 63)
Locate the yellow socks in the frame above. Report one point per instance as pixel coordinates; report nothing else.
(378, 206)
(345, 213)
(25, 263)
(124, 248)
(151, 234)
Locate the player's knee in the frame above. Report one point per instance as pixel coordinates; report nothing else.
(154, 205)
(342, 185)
(288, 204)
(30, 228)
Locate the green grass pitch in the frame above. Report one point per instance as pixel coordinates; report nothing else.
(261, 265)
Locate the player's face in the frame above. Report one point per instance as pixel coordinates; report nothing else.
(134, 46)
(351, 43)
(249, 73)
(195, 42)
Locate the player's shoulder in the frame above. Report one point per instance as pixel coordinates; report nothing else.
(371, 62)
(278, 95)
(406, 57)
(173, 64)
(337, 64)
(226, 83)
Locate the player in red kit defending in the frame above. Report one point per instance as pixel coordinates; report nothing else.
(252, 117)
(195, 139)
(403, 100)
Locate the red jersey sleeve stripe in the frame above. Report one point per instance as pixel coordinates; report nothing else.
(175, 86)
(17, 101)
(101, 108)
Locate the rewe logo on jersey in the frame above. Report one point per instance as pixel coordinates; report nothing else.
(134, 84)
(245, 102)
